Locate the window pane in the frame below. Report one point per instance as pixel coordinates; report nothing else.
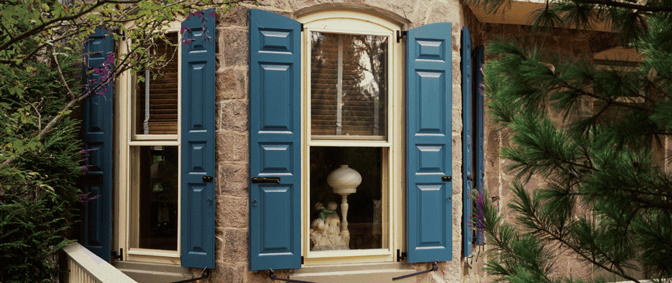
(332, 169)
(348, 84)
(154, 209)
(159, 94)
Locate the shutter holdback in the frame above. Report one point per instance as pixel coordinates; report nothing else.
(204, 275)
(273, 277)
(435, 267)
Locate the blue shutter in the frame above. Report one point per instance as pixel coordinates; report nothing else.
(198, 143)
(428, 104)
(480, 171)
(97, 134)
(275, 141)
(467, 170)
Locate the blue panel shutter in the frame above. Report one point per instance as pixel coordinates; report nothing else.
(429, 169)
(467, 170)
(275, 141)
(198, 143)
(97, 134)
(479, 161)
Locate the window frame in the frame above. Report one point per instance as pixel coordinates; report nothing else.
(125, 139)
(353, 22)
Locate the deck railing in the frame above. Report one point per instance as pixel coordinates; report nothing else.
(86, 267)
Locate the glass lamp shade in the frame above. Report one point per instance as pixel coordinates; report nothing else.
(344, 180)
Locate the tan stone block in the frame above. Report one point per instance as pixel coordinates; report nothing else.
(234, 180)
(232, 146)
(235, 47)
(456, 122)
(219, 243)
(258, 277)
(234, 115)
(232, 84)
(218, 113)
(457, 178)
(233, 212)
(236, 246)
(456, 148)
(236, 16)
(445, 11)
(228, 273)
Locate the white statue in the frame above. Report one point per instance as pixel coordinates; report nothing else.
(325, 232)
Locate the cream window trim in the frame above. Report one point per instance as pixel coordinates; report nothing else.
(125, 139)
(352, 22)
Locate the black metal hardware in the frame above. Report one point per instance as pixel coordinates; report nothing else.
(301, 27)
(450, 198)
(275, 277)
(120, 256)
(266, 180)
(446, 178)
(204, 275)
(435, 267)
(400, 256)
(470, 178)
(401, 34)
(207, 179)
(255, 202)
(301, 259)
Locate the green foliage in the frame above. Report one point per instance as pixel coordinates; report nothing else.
(40, 73)
(591, 133)
(38, 192)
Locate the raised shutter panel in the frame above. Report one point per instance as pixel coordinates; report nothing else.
(467, 141)
(97, 135)
(428, 104)
(198, 143)
(275, 141)
(480, 157)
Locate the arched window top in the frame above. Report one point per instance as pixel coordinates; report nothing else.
(348, 21)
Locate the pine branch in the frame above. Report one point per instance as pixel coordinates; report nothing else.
(627, 5)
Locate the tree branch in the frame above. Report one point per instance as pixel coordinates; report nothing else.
(60, 74)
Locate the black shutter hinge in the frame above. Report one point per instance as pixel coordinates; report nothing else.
(301, 27)
(400, 256)
(401, 34)
(120, 257)
(301, 259)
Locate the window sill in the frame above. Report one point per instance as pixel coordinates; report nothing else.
(355, 273)
(153, 272)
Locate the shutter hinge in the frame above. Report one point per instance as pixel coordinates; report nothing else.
(401, 34)
(120, 257)
(301, 27)
(301, 259)
(400, 256)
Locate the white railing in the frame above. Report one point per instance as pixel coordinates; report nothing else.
(86, 267)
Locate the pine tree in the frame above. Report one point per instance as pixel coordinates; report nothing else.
(590, 132)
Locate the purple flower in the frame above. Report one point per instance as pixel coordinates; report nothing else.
(213, 13)
(185, 28)
(84, 197)
(187, 41)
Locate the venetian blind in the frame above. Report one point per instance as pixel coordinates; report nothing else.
(162, 102)
(349, 71)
